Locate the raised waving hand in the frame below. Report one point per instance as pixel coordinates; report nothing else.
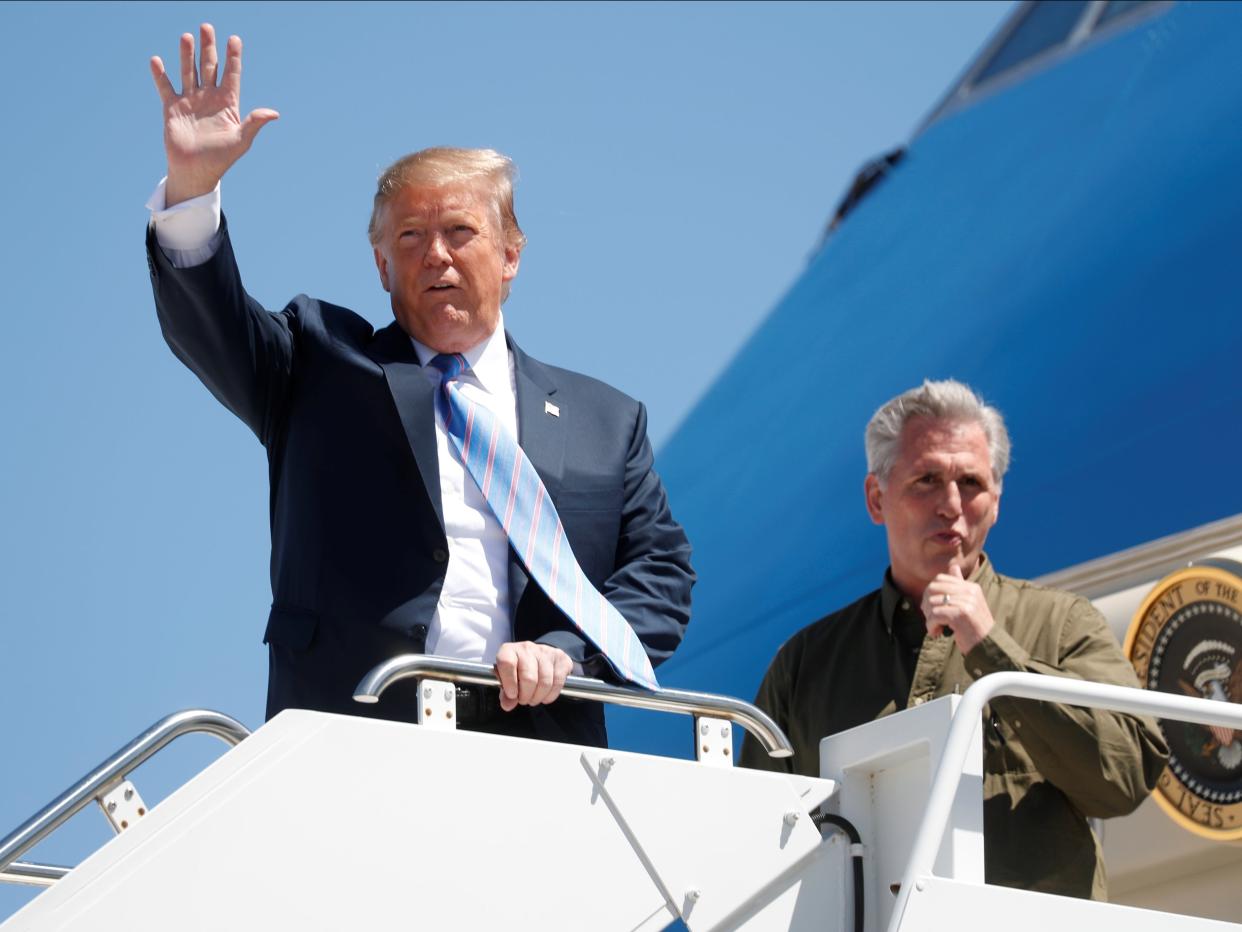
(204, 133)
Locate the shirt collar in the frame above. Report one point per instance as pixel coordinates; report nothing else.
(488, 360)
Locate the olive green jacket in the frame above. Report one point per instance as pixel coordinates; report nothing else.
(1047, 767)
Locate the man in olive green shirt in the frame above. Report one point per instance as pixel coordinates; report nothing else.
(943, 618)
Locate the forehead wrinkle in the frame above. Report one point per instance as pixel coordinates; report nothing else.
(461, 196)
(955, 463)
(438, 211)
(438, 201)
(946, 459)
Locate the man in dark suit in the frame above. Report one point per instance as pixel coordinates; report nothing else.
(382, 541)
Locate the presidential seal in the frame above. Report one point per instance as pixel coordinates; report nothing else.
(1186, 639)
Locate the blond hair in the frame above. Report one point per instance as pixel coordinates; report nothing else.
(444, 165)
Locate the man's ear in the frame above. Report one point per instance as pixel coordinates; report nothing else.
(381, 263)
(875, 498)
(513, 258)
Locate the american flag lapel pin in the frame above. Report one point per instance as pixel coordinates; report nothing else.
(549, 408)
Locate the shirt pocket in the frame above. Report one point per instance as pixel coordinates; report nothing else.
(1003, 752)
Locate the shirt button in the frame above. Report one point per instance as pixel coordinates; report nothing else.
(977, 672)
(439, 554)
(905, 606)
(918, 700)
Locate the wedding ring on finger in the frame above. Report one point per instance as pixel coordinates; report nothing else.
(946, 599)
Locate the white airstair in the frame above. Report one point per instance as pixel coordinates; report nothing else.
(333, 822)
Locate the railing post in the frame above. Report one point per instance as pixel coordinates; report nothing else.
(1125, 699)
(110, 773)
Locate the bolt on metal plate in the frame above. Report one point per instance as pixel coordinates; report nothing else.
(713, 741)
(437, 705)
(122, 805)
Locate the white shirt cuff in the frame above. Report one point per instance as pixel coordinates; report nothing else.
(188, 233)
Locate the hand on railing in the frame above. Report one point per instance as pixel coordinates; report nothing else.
(754, 720)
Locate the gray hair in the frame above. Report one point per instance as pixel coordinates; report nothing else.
(947, 400)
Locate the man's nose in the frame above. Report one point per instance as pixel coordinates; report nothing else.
(437, 251)
(951, 500)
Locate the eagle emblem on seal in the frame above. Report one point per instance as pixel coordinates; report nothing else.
(1186, 639)
(1213, 670)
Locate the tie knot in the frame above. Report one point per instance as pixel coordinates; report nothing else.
(450, 365)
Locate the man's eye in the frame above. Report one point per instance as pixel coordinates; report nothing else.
(409, 234)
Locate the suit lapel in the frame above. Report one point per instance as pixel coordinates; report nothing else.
(541, 433)
(414, 396)
(541, 436)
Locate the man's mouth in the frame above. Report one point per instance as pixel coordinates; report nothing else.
(441, 286)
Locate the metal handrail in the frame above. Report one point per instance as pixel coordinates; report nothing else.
(767, 732)
(108, 773)
(1049, 689)
(32, 874)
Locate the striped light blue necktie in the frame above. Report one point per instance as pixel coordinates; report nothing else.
(518, 499)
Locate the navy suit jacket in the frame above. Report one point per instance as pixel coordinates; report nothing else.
(359, 552)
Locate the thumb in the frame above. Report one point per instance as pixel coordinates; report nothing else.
(956, 570)
(255, 121)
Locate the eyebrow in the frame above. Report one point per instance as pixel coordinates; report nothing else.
(937, 469)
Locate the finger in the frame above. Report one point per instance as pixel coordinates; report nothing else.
(933, 597)
(207, 54)
(546, 677)
(232, 66)
(506, 672)
(527, 677)
(166, 91)
(561, 668)
(255, 121)
(939, 623)
(956, 571)
(189, 79)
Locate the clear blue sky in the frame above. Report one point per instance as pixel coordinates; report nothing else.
(678, 162)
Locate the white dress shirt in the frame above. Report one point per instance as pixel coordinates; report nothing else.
(472, 617)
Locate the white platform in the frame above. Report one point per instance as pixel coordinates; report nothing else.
(339, 823)
(332, 822)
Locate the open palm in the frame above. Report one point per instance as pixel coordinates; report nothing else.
(204, 132)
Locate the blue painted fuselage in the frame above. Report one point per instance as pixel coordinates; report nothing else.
(1068, 245)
